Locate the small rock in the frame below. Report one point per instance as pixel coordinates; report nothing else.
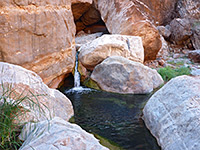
(194, 56)
(164, 31)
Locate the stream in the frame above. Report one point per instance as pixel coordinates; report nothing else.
(115, 119)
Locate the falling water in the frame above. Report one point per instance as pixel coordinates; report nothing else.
(77, 81)
(76, 73)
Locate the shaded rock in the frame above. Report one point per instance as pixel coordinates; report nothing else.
(164, 31)
(79, 7)
(172, 114)
(194, 56)
(189, 9)
(83, 38)
(38, 35)
(96, 28)
(28, 83)
(196, 34)
(57, 134)
(120, 75)
(99, 49)
(91, 16)
(181, 31)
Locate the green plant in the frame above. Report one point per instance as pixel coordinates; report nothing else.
(11, 112)
(168, 73)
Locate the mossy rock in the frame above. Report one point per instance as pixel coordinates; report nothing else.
(91, 84)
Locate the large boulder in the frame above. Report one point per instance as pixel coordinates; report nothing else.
(21, 83)
(190, 9)
(133, 17)
(181, 31)
(93, 53)
(57, 134)
(120, 75)
(172, 114)
(38, 35)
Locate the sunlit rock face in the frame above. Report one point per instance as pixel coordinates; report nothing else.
(134, 17)
(120, 75)
(38, 35)
(93, 53)
(172, 114)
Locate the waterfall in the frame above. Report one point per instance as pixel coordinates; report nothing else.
(77, 78)
(77, 81)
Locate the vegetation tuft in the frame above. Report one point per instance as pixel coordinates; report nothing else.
(11, 110)
(168, 73)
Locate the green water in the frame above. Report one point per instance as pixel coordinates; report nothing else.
(115, 117)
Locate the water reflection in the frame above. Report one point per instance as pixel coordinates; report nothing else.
(114, 116)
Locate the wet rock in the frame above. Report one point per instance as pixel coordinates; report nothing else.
(57, 134)
(99, 49)
(38, 35)
(194, 56)
(181, 31)
(120, 75)
(27, 83)
(79, 7)
(172, 114)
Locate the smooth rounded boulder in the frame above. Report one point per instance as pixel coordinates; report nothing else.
(42, 101)
(57, 134)
(120, 75)
(93, 53)
(172, 114)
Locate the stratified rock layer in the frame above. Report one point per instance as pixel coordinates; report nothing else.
(57, 134)
(38, 35)
(93, 53)
(23, 82)
(120, 75)
(172, 114)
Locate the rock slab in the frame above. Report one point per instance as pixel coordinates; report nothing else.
(28, 83)
(93, 53)
(57, 134)
(172, 114)
(120, 75)
(38, 35)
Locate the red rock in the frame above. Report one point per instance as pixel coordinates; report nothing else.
(38, 35)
